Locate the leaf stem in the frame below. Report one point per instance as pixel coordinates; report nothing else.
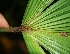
(11, 29)
(15, 29)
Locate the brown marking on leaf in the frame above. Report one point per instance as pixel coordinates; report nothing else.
(63, 34)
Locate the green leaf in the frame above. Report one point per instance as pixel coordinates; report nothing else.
(54, 42)
(47, 25)
(34, 9)
(32, 45)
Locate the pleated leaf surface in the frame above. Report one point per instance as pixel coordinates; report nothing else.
(47, 24)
